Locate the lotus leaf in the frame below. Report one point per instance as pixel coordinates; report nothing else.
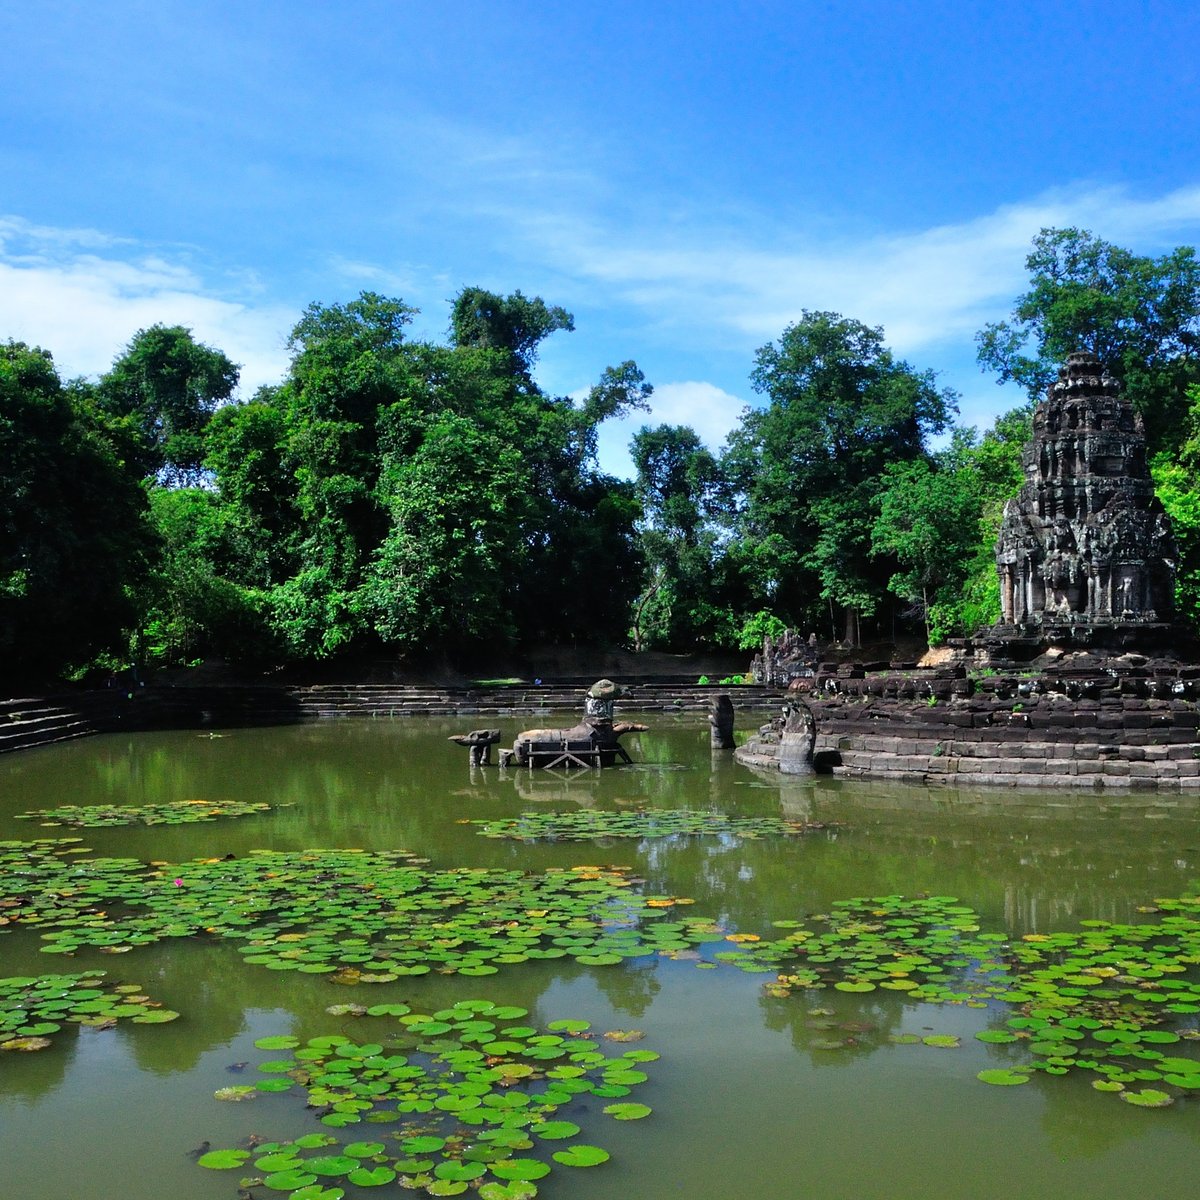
(581, 1156)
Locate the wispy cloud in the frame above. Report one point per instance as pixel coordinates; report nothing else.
(82, 294)
(925, 287)
(722, 283)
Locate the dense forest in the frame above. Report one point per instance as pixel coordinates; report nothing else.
(406, 499)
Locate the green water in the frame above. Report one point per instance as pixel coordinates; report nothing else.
(745, 1104)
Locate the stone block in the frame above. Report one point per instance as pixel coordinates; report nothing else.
(1061, 766)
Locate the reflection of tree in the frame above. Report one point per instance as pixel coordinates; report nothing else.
(861, 1026)
(40, 1072)
(197, 982)
(629, 986)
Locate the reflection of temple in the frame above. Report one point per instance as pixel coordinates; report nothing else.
(1085, 552)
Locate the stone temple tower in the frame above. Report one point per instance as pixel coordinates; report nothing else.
(1085, 553)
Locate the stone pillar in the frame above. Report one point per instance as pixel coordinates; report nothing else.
(720, 720)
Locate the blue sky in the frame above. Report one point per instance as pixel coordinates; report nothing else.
(684, 177)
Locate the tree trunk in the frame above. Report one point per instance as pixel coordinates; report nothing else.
(655, 584)
(851, 637)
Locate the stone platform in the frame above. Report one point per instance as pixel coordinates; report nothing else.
(1129, 727)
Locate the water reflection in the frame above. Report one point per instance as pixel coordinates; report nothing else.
(877, 1116)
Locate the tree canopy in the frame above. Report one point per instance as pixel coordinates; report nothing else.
(409, 498)
(840, 408)
(1139, 315)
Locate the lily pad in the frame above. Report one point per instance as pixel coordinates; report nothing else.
(581, 1156)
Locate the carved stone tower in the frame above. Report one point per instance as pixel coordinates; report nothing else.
(1085, 554)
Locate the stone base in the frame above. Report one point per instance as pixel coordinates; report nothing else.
(1023, 643)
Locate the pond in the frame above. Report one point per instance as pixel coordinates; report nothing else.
(814, 1092)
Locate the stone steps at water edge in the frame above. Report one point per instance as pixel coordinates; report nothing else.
(29, 722)
(32, 721)
(1031, 764)
(331, 700)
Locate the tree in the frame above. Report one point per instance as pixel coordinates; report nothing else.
(990, 468)
(75, 545)
(247, 455)
(418, 497)
(678, 480)
(514, 324)
(840, 408)
(194, 605)
(1139, 315)
(929, 521)
(1177, 484)
(165, 386)
(457, 511)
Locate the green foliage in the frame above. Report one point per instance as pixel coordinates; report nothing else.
(1139, 315)
(840, 408)
(758, 626)
(457, 508)
(75, 545)
(1177, 484)
(929, 520)
(513, 324)
(165, 386)
(193, 607)
(684, 598)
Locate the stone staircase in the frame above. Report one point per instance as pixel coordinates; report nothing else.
(1032, 763)
(37, 721)
(1113, 738)
(26, 722)
(322, 701)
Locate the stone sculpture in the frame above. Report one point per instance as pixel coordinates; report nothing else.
(782, 661)
(1085, 553)
(594, 742)
(797, 739)
(480, 742)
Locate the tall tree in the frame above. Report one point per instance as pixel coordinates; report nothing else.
(1139, 315)
(929, 521)
(349, 366)
(678, 480)
(166, 385)
(75, 545)
(514, 324)
(840, 408)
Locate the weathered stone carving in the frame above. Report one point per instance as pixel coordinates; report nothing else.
(1085, 552)
(480, 742)
(797, 739)
(789, 658)
(594, 742)
(788, 743)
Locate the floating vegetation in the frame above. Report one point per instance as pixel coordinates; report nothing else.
(1112, 1000)
(175, 812)
(587, 824)
(1118, 1001)
(34, 1007)
(355, 916)
(463, 1098)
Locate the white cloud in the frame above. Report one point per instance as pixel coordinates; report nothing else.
(925, 287)
(691, 280)
(82, 295)
(711, 412)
